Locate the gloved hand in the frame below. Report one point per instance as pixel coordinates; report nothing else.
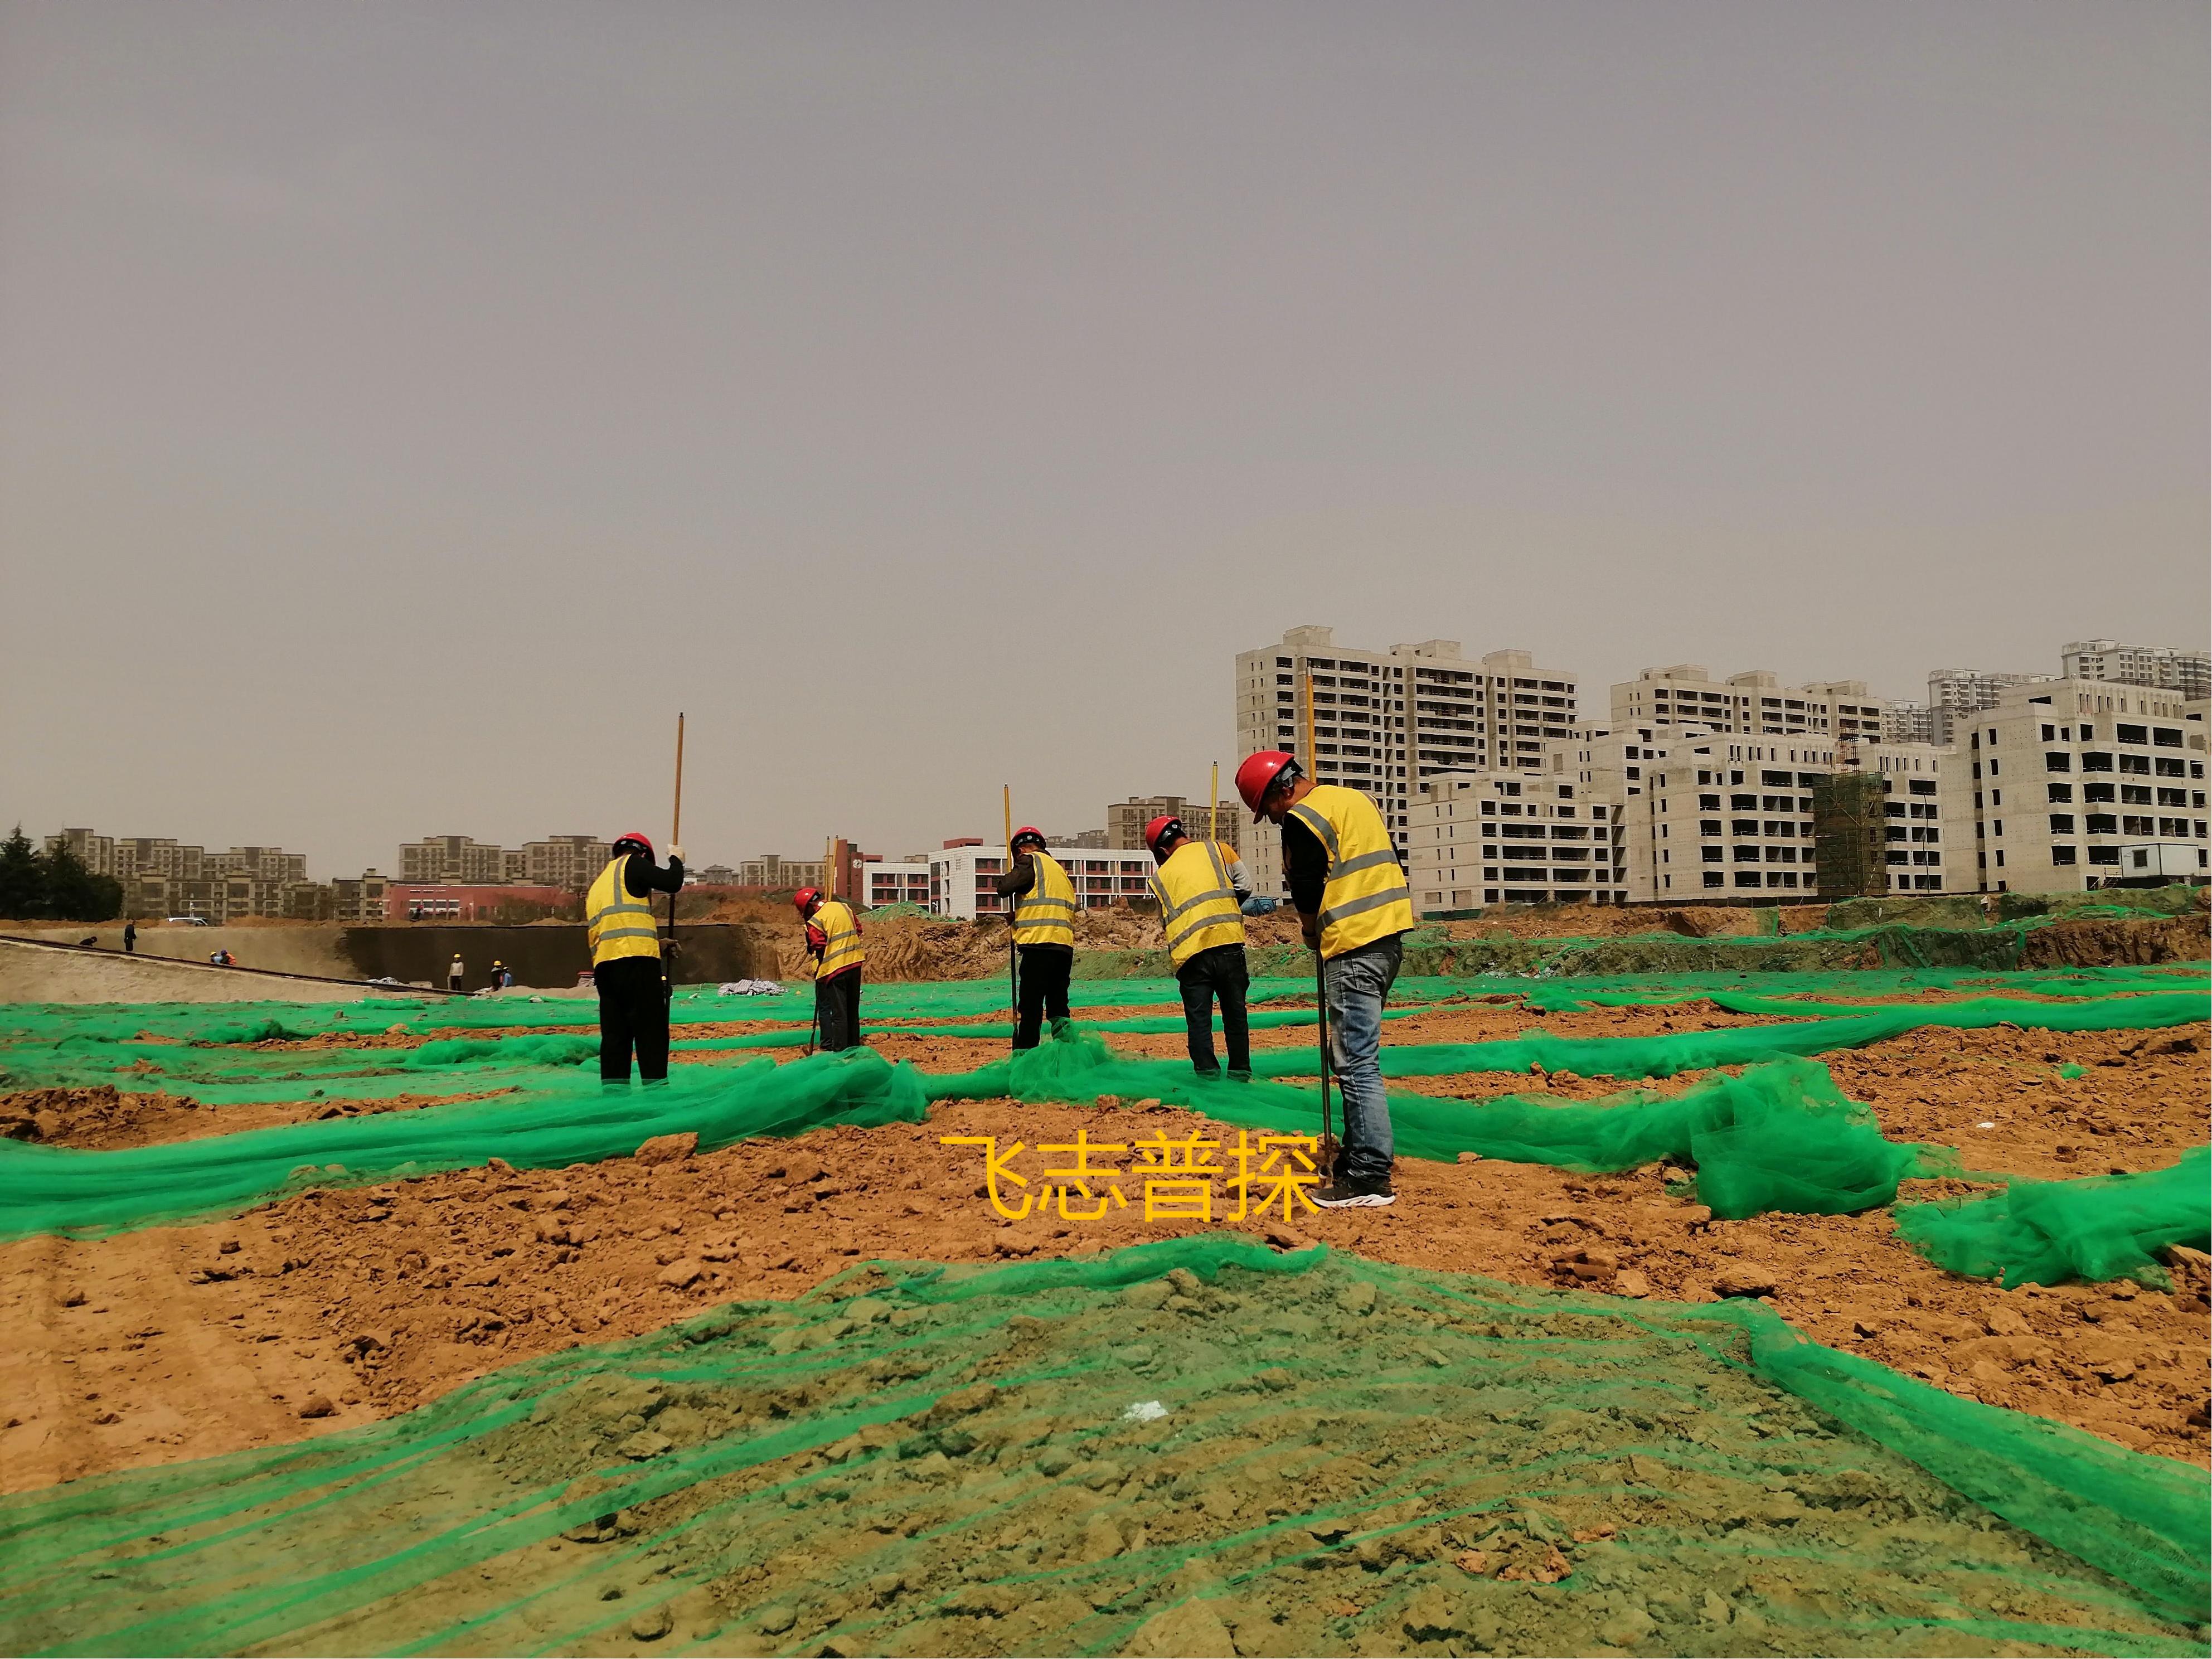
(676, 855)
(1309, 930)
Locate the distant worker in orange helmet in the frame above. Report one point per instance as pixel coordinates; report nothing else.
(833, 936)
(1044, 933)
(626, 964)
(1202, 887)
(1354, 909)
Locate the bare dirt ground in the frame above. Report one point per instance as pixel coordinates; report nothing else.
(330, 1309)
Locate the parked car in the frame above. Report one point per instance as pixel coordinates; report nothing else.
(189, 921)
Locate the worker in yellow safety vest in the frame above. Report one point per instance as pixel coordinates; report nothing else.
(1354, 909)
(1045, 904)
(626, 965)
(833, 936)
(1201, 888)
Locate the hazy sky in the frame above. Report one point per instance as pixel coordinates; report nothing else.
(405, 408)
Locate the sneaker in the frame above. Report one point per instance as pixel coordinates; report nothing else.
(1342, 1195)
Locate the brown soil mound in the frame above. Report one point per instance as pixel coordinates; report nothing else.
(103, 1119)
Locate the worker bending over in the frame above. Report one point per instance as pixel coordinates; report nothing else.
(626, 963)
(1044, 934)
(1200, 886)
(833, 935)
(1354, 909)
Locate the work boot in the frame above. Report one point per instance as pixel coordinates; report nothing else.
(1210, 1074)
(1063, 1030)
(1244, 1076)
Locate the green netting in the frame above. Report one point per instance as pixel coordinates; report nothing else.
(2046, 1232)
(243, 1023)
(1179, 1447)
(1780, 1137)
(1668, 1052)
(563, 1118)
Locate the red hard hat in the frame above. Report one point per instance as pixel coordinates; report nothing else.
(1029, 831)
(1257, 775)
(1157, 830)
(639, 836)
(805, 897)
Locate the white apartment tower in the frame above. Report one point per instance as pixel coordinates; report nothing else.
(1956, 695)
(1754, 704)
(2072, 777)
(2159, 667)
(1384, 719)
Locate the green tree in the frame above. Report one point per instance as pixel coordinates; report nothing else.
(23, 879)
(74, 894)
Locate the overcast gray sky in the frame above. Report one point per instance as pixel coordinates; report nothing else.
(405, 408)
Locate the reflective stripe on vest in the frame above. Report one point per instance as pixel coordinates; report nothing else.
(1045, 913)
(1366, 897)
(618, 924)
(1198, 906)
(842, 930)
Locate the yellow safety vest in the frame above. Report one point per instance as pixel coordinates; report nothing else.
(1366, 897)
(1198, 906)
(844, 949)
(618, 924)
(1045, 913)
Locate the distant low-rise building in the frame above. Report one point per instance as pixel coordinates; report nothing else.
(960, 877)
(488, 902)
(893, 881)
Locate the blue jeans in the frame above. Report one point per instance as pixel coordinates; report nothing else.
(1359, 982)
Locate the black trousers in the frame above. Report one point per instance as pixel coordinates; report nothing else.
(1044, 975)
(1221, 973)
(837, 1008)
(633, 1013)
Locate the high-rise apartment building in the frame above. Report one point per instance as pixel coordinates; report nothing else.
(1125, 819)
(260, 863)
(1908, 722)
(1755, 704)
(564, 861)
(1649, 814)
(2160, 667)
(1492, 836)
(1383, 720)
(773, 871)
(2071, 775)
(452, 860)
(1954, 693)
(95, 851)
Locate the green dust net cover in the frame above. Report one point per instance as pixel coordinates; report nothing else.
(1172, 1449)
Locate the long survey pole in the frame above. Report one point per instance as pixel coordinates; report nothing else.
(1327, 1147)
(675, 839)
(1013, 976)
(1214, 808)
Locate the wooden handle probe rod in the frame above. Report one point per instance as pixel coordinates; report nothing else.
(1013, 974)
(675, 839)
